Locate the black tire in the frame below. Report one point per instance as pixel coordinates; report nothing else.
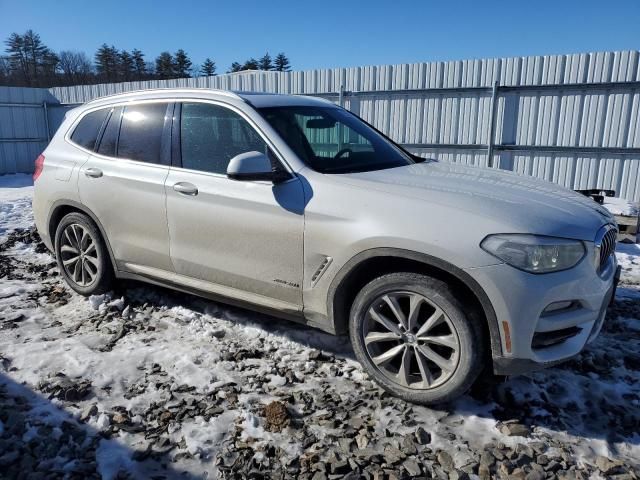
(468, 351)
(104, 276)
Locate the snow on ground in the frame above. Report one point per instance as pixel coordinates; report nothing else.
(149, 382)
(620, 206)
(628, 255)
(15, 201)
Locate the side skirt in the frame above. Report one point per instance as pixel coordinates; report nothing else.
(218, 293)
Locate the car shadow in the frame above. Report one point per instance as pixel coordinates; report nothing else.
(135, 292)
(37, 435)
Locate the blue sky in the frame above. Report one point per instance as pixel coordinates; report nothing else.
(330, 33)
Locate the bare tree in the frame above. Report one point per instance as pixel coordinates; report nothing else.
(75, 66)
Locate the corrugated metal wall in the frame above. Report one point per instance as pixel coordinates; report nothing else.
(571, 119)
(23, 128)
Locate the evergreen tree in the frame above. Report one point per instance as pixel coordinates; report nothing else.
(282, 63)
(41, 60)
(30, 60)
(265, 62)
(251, 64)
(182, 64)
(165, 66)
(107, 60)
(139, 66)
(208, 68)
(5, 71)
(126, 65)
(17, 58)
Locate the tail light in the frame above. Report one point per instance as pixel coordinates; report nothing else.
(39, 164)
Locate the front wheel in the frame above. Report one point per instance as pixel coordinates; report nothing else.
(82, 255)
(414, 338)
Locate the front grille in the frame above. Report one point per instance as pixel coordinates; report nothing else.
(607, 245)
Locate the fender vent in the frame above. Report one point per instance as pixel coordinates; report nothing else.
(320, 271)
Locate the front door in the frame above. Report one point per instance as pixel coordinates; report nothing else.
(238, 239)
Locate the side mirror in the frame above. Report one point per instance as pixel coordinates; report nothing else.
(252, 166)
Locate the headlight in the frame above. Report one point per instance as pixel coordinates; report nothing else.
(535, 253)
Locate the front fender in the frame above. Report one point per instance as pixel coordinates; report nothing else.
(336, 293)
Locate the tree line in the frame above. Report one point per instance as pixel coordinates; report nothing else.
(28, 62)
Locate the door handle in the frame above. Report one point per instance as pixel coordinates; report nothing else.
(93, 172)
(186, 188)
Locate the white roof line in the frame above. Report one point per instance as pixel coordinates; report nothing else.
(132, 93)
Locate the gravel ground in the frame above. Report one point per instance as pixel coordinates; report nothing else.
(148, 383)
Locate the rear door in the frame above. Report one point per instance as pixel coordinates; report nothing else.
(243, 237)
(122, 183)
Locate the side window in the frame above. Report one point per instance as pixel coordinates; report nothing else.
(86, 132)
(211, 135)
(141, 132)
(110, 136)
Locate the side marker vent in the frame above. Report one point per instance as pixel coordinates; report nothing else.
(320, 271)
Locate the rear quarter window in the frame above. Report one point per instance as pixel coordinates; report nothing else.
(86, 132)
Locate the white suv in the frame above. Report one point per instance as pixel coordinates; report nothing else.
(296, 207)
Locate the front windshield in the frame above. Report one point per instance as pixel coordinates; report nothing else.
(332, 140)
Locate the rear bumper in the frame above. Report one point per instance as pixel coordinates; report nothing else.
(40, 217)
(535, 335)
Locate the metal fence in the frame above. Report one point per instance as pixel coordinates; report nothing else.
(570, 119)
(24, 127)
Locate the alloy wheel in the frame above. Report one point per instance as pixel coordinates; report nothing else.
(79, 255)
(411, 340)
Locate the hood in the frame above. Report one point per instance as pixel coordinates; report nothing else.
(524, 204)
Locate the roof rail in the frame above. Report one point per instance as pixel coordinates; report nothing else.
(133, 93)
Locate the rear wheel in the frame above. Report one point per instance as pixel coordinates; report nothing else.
(415, 339)
(82, 255)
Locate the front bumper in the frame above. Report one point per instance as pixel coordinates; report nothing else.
(533, 333)
(518, 366)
